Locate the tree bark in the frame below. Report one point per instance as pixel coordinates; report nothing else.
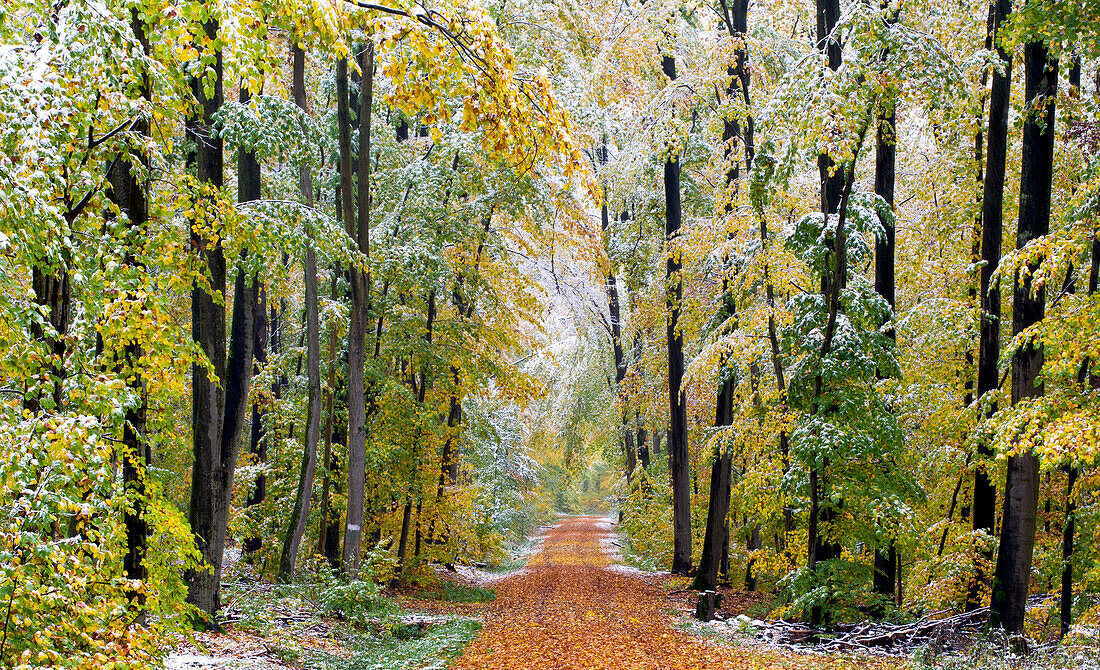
(885, 565)
(359, 232)
(1012, 576)
(208, 330)
(822, 513)
(1084, 376)
(300, 514)
(678, 465)
(989, 337)
(131, 195)
(716, 536)
(248, 189)
(257, 444)
(615, 317)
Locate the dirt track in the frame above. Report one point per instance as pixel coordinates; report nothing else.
(571, 609)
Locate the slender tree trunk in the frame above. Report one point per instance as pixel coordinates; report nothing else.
(1013, 572)
(257, 444)
(1065, 609)
(885, 566)
(1084, 376)
(300, 514)
(327, 512)
(615, 317)
(678, 465)
(449, 457)
(989, 337)
(641, 434)
(248, 190)
(403, 543)
(359, 231)
(131, 196)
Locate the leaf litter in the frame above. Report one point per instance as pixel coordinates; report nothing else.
(572, 609)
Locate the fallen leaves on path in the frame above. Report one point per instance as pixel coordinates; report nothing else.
(569, 611)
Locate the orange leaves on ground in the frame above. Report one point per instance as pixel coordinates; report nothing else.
(568, 610)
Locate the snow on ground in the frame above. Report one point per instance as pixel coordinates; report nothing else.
(483, 577)
(191, 661)
(611, 545)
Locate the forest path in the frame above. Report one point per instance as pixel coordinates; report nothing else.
(571, 609)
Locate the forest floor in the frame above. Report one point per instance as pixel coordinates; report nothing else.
(570, 607)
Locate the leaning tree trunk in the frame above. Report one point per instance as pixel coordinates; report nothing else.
(300, 514)
(989, 336)
(1012, 576)
(678, 465)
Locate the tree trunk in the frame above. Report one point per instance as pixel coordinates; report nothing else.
(678, 465)
(208, 331)
(327, 511)
(300, 514)
(132, 199)
(257, 444)
(1013, 572)
(716, 536)
(989, 337)
(1065, 609)
(1068, 528)
(822, 512)
(359, 231)
(885, 565)
(615, 318)
(248, 189)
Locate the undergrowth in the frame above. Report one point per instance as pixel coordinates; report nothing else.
(994, 652)
(431, 650)
(459, 593)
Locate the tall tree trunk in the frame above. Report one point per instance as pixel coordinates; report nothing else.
(1084, 376)
(885, 565)
(822, 512)
(1012, 576)
(248, 189)
(208, 330)
(641, 434)
(716, 535)
(450, 456)
(989, 337)
(678, 465)
(615, 317)
(257, 443)
(300, 514)
(327, 511)
(359, 231)
(130, 195)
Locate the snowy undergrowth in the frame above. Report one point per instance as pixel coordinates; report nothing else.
(430, 649)
(624, 559)
(993, 654)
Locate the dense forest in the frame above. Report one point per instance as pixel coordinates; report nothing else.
(806, 292)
